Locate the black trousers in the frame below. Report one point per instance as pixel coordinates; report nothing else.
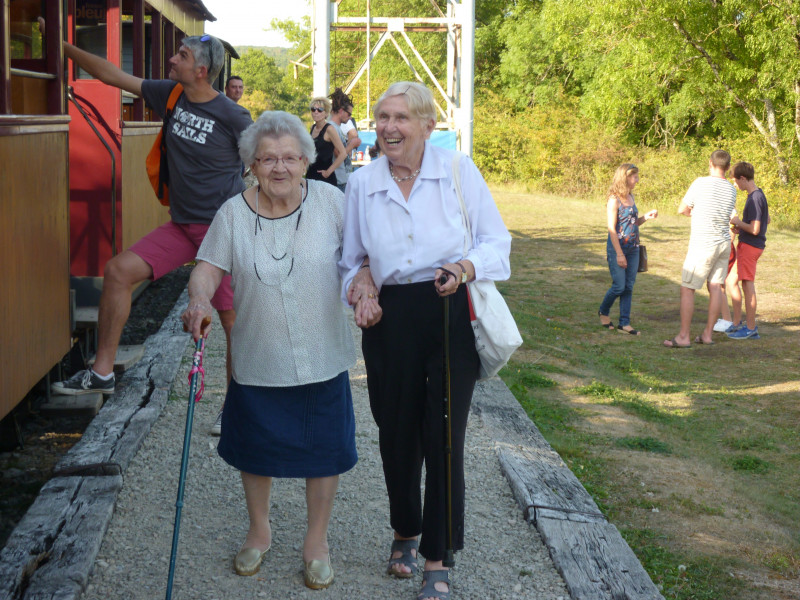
(404, 360)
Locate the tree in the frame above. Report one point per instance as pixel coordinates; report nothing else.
(264, 83)
(663, 70)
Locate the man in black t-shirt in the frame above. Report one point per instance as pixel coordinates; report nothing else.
(752, 228)
(204, 171)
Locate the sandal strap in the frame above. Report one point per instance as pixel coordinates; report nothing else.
(405, 546)
(432, 577)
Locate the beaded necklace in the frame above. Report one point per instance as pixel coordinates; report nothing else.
(274, 241)
(406, 178)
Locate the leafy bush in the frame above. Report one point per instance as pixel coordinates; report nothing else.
(554, 149)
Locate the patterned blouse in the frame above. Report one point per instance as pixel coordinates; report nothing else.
(291, 328)
(627, 229)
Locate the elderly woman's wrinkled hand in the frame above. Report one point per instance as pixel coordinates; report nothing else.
(449, 286)
(367, 312)
(197, 319)
(362, 286)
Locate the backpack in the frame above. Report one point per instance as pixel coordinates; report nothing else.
(156, 162)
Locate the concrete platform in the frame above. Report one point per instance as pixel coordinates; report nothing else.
(86, 317)
(62, 404)
(126, 357)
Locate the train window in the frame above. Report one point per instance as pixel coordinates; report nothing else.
(127, 48)
(90, 30)
(26, 40)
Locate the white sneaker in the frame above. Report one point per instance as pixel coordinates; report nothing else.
(216, 428)
(722, 325)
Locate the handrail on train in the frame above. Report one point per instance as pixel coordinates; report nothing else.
(31, 74)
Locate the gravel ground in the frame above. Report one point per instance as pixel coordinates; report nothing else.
(504, 557)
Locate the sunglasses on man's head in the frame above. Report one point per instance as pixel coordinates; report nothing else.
(207, 38)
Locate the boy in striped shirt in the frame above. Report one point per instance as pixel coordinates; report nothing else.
(709, 202)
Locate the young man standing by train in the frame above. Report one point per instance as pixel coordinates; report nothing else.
(204, 171)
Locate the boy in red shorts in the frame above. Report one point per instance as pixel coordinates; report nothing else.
(752, 229)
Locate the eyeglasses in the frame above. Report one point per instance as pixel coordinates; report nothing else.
(317, 109)
(207, 38)
(349, 112)
(270, 162)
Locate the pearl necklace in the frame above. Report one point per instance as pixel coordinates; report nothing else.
(406, 178)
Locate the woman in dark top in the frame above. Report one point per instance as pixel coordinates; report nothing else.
(622, 246)
(330, 150)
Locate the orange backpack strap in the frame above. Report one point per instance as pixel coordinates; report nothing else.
(173, 100)
(156, 162)
(163, 171)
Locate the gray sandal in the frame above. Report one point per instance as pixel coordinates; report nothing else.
(407, 559)
(430, 578)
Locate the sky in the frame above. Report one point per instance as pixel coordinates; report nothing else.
(242, 22)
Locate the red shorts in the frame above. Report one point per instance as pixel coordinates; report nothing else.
(746, 258)
(173, 245)
(732, 257)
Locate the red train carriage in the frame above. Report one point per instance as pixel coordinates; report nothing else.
(73, 187)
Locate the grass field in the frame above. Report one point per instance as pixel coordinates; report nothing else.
(693, 454)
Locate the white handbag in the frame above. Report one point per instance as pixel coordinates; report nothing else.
(496, 333)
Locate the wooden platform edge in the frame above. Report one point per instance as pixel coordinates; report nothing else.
(116, 433)
(591, 555)
(51, 552)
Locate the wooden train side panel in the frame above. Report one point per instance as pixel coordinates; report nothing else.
(34, 250)
(141, 209)
(28, 96)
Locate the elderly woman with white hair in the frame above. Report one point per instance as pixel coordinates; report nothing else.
(288, 411)
(404, 219)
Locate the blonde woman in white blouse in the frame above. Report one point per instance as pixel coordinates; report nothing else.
(403, 218)
(288, 411)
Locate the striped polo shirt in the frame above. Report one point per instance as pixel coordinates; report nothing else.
(713, 200)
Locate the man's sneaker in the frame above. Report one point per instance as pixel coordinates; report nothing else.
(733, 328)
(83, 382)
(722, 325)
(745, 333)
(216, 428)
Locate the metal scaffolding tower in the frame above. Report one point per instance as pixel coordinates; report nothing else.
(454, 97)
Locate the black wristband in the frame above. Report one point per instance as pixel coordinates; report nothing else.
(453, 275)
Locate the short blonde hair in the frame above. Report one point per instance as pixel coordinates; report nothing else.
(418, 98)
(326, 104)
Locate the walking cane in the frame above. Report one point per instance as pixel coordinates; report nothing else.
(194, 396)
(449, 560)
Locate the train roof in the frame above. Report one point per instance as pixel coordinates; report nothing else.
(201, 8)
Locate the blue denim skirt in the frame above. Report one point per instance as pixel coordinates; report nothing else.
(302, 431)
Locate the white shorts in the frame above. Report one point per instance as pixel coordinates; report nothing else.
(705, 264)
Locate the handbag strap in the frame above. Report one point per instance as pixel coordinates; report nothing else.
(464, 215)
